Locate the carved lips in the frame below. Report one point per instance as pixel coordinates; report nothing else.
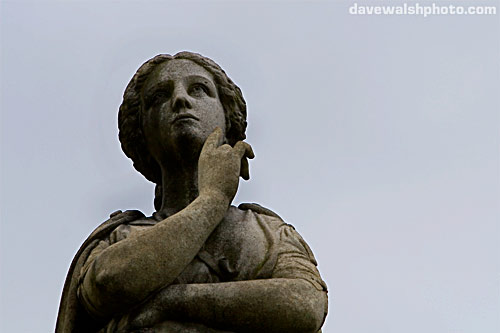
(185, 116)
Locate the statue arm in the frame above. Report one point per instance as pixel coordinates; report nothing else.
(127, 272)
(292, 299)
(270, 305)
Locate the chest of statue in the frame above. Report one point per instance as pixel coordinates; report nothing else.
(240, 248)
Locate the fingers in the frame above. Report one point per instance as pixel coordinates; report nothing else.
(243, 149)
(214, 140)
(244, 170)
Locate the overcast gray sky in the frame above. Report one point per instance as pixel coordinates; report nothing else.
(377, 137)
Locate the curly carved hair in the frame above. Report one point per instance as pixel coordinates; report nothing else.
(131, 134)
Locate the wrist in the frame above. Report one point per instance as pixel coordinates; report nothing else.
(216, 199)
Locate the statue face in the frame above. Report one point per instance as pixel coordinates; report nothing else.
(181, 107)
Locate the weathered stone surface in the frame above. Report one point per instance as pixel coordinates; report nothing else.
(198, 264)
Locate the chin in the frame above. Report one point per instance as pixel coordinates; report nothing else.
(188, 141)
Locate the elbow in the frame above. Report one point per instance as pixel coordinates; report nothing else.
(310, 307)
(102, 292)
(317, 310)
(103, 283)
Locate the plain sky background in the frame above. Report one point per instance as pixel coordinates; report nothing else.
(377, 137)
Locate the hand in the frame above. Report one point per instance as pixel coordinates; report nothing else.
(220, 165)
(159, 308)
(143, 316)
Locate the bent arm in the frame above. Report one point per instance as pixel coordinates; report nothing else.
(270, 305)
(128, 271)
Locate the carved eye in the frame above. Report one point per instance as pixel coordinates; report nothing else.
(198, 90)
(158, 97)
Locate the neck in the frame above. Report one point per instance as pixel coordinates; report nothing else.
(179, 186)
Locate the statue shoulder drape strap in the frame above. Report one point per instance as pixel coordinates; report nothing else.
(258, 209)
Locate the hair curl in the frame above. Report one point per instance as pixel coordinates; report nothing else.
(131, 134)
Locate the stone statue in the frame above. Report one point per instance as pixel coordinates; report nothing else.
(198, 264)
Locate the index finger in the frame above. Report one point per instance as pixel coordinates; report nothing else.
(243, 149)
(214, 140)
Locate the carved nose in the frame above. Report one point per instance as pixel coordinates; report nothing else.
(180, 101)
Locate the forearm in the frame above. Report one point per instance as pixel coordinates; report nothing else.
(270, 305)
(130, 270)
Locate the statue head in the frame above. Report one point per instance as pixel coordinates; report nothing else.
(131, 133)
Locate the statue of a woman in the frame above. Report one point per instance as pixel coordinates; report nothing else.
(198, 264)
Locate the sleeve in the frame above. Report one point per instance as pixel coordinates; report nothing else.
(295, 259)
(85, 290)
